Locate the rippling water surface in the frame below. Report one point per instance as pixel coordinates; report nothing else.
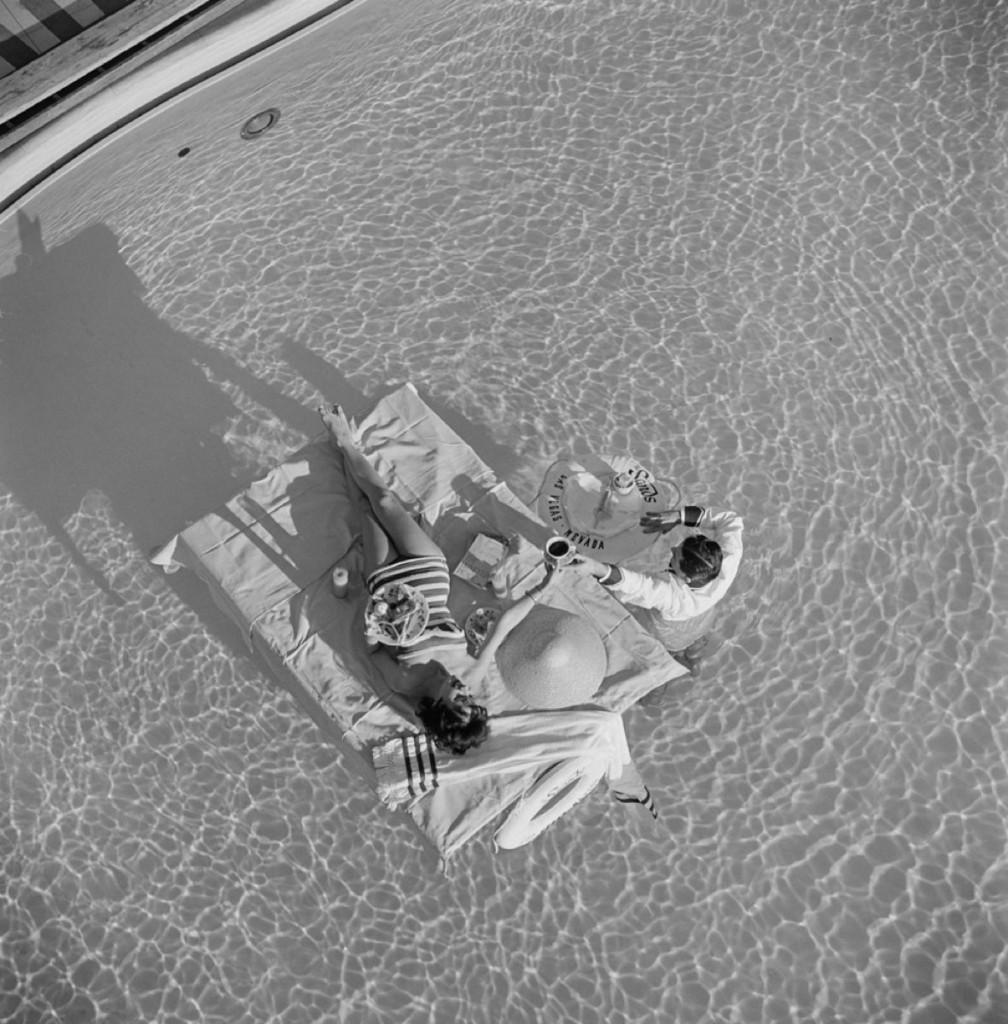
(759, 245)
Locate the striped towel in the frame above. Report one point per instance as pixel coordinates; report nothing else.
(419, 764)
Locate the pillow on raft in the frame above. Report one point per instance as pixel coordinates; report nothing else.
(552, 659)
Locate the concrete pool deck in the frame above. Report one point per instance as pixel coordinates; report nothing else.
(42, 145)
(116, 47)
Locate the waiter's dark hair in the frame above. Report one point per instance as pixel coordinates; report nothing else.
(700, 559)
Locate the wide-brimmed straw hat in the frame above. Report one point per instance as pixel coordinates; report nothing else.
(552, 659)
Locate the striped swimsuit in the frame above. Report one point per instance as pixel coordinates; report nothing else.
(429, 574)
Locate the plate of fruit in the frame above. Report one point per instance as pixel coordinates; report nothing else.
(396, 615)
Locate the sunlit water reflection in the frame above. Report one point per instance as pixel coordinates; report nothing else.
(761, 247)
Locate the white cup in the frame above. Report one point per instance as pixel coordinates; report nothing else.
(559, 552)
(340, 581)
(622, 483)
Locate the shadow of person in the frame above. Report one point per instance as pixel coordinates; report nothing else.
(98, 393)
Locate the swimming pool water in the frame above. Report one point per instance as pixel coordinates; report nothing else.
(761, 246)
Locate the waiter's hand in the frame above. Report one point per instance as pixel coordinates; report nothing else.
(661, 522)
(584, 566)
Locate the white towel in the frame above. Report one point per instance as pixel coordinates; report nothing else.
(454, 796)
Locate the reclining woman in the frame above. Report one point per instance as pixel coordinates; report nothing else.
(398, 551)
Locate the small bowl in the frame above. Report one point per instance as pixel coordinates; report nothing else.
(478, 626)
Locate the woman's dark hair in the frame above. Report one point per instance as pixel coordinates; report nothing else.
(700, 559)
(448, 729)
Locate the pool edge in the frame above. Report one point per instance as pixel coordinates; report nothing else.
(30, 161)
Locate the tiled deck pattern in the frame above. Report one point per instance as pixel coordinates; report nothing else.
(29, 28)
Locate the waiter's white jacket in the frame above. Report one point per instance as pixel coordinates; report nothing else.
(670, 596)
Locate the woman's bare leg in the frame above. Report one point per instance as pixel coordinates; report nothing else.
(402, 532)
(378, 549)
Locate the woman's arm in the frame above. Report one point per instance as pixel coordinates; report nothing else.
(509, 618)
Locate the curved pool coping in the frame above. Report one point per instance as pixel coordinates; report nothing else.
(28, 164)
